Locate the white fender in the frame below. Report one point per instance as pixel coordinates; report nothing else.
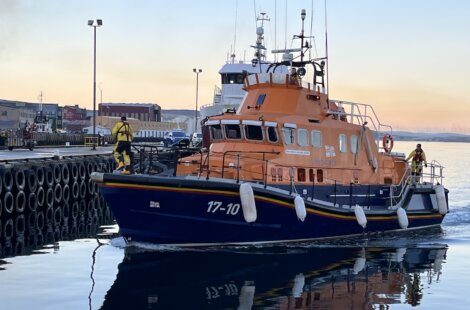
(300, 208)
(247, 199)
(359, 265)
(247, 295)
(360, 216)
(299, 283)
(441, 199)
(402, 218)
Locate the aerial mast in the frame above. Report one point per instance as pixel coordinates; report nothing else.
(259, 47)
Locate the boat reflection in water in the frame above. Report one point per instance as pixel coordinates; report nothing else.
(282, 278)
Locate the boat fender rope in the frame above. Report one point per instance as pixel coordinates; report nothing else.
(247, 199)
(360, 216)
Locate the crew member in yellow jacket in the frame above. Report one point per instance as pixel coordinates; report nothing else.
(122, 131)
(418, 158)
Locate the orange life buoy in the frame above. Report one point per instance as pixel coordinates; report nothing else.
(387, 143)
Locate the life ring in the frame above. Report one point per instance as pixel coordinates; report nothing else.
(387, 143)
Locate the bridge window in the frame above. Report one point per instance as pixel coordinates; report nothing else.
(253, 132)
(233, 132)
(216, 132)
(272, 134)
(354, 144)
(316, 138)
(342, 143)
(232, 78)
(260, 100)
(302, 137)
(288, 135)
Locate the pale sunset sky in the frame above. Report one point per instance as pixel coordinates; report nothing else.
(409, 58)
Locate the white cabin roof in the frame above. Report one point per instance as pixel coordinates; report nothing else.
(248, 67)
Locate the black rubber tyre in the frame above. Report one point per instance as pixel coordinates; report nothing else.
(65, 173)
(90, 167)
(49, 177)
(81, 170)
(49, 215)
(91, 187)
(49, 197)
(57, 216)
(41, 197)
(41, 221)
(57, 173)
(20, 178)
(8, 202)
(75, 190)
(75, 210)
(73, 167)
(40, 175)
(58, 194)
(8, 229)
(83, 189)
(32, 222)
(20, 225)
(31, 180)
(32, 202)
(66, 193)
(20, 202)
(65, 212)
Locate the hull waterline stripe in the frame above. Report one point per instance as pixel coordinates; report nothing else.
(261, 198)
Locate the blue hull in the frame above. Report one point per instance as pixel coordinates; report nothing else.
(177, 211)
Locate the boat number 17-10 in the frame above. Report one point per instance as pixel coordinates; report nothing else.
(217, 206)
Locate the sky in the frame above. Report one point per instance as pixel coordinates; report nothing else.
(408, 58)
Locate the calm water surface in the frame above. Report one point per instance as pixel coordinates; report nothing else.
(94, 269)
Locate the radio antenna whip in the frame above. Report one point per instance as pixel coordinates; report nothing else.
(326, 55)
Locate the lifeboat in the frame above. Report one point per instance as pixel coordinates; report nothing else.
(289, 165)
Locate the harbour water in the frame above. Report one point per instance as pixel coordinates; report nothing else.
(92, 268)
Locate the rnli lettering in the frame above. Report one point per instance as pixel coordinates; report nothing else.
(298, 152)
(330, 151)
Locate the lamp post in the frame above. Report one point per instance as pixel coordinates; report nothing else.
(197, 71)
(94, 23)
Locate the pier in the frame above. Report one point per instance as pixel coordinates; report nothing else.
(48, 194)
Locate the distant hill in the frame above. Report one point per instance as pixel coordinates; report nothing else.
(430, 136)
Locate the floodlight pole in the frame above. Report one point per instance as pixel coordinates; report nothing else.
(197, 71)
(94, 23)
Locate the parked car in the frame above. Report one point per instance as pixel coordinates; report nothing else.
(172, 137)
(196, 138)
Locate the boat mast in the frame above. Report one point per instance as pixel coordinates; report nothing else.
(259, 47)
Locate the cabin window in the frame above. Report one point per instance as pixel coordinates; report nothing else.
(288, 135)
(342, 143)
(302, 137)
(311, 175)
(316, 138)
(216, 132)
(301, 175)
(233, 132)
(232, 78)
(253, 132)
(320, 175)
(272, 134)
(260, 100)
(353, 144)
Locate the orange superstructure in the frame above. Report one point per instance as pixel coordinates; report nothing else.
(285, 131)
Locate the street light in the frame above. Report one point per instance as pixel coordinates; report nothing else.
(197, 71)
(94, 23)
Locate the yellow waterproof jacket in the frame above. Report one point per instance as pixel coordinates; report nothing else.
(416, 157)
(122, 131)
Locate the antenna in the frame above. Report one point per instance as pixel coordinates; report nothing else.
(275, 29)
(235, 34)
(259, 54)
(326, 55)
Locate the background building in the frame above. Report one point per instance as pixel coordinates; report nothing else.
(51, 110)
(146, 112)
